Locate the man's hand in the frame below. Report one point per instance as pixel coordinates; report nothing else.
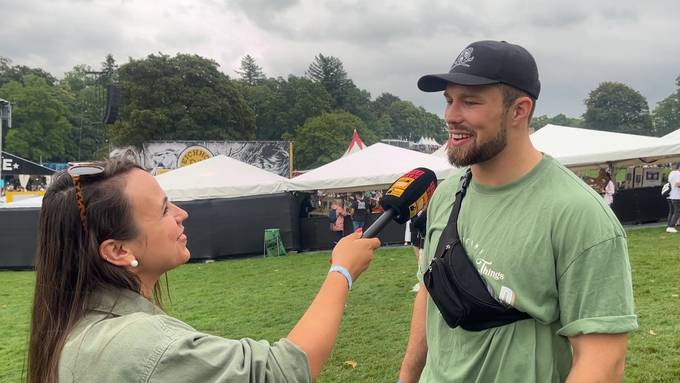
(598, 358)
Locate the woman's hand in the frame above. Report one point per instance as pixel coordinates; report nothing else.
(354, 253)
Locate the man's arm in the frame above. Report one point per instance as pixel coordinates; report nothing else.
(598, 358)
(416, 350)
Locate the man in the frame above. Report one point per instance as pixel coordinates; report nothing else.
(674, 199)
(360, 209)
(542, 241)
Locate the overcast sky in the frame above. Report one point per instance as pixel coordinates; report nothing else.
(385, 45)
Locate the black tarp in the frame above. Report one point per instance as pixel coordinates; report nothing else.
(643, 205)
(315, 232)
(235, 226)
(15, 165)
(18, 235)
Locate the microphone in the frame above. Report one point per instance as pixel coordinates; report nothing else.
(404, 199)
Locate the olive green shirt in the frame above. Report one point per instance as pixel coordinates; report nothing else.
(125, 338)
(546, 244)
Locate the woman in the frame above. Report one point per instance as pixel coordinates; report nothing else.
(107, 233)
(608, 190)
(337, 226)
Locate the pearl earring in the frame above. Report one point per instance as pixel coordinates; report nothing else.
(134, 263)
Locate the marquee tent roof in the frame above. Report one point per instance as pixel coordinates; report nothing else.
(441, 152)
(219, 177)
(580, 148)
(375, 167)
(355, 145)
(583, 148)
(674, 135)
(564, 141)
(427, 141)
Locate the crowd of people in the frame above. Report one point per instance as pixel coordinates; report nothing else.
(357, 206)
(12, 184)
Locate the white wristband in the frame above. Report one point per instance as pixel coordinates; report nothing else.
(344, 272)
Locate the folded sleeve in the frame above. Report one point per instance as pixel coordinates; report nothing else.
(197, 357)
(595, 291)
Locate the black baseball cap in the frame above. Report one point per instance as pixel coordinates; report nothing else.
(488, 62)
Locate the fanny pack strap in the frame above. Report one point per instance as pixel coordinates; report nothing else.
(450, 232)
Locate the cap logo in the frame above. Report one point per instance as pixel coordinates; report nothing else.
(463, 59)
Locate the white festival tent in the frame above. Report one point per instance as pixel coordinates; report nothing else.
(580, 148)
(441, 152)
(375, 167)
(219, 177)
(672, 136)
(584, 148)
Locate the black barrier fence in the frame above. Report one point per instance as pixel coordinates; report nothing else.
(18, 237)
(221, 228)
(643, 205)
(235, 226)
(315, 232)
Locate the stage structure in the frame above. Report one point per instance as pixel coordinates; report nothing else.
(5, 120)
(273, 156)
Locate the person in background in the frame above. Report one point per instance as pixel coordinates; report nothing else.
(338, 226)
(106, 235)
(361, 207)
(674, 198)
(418, 226)
(306, 205)
(609, 189)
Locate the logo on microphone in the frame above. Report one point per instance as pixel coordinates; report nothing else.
(398, 187)
(422, 201)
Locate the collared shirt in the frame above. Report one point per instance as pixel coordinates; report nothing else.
(125, 338)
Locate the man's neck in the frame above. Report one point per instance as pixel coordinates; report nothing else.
(514, 162)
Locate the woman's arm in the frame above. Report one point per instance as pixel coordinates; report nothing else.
(317, 330)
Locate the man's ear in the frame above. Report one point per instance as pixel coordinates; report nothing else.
(116, 253)
(522, 108)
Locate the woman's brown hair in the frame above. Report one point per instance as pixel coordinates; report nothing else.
(68, 266)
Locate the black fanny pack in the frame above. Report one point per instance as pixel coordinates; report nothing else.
(455, 285)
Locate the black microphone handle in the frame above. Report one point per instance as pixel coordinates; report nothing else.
(379, 224)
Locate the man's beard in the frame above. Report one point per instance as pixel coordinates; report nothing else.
(473, 154)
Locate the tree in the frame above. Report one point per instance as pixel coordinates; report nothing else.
(184, 97)
(410, 122)
(402, 119)
(281, 106)
(559, 119)
(666, 115)
(383, 102)
(250, 72)
(330, 73)
(616, 107)
(41, 129)
(324, 138)
(10, 72)
(109, 69)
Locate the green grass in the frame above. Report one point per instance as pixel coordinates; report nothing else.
(263, 298)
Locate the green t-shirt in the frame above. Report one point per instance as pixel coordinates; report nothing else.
(548, 245)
